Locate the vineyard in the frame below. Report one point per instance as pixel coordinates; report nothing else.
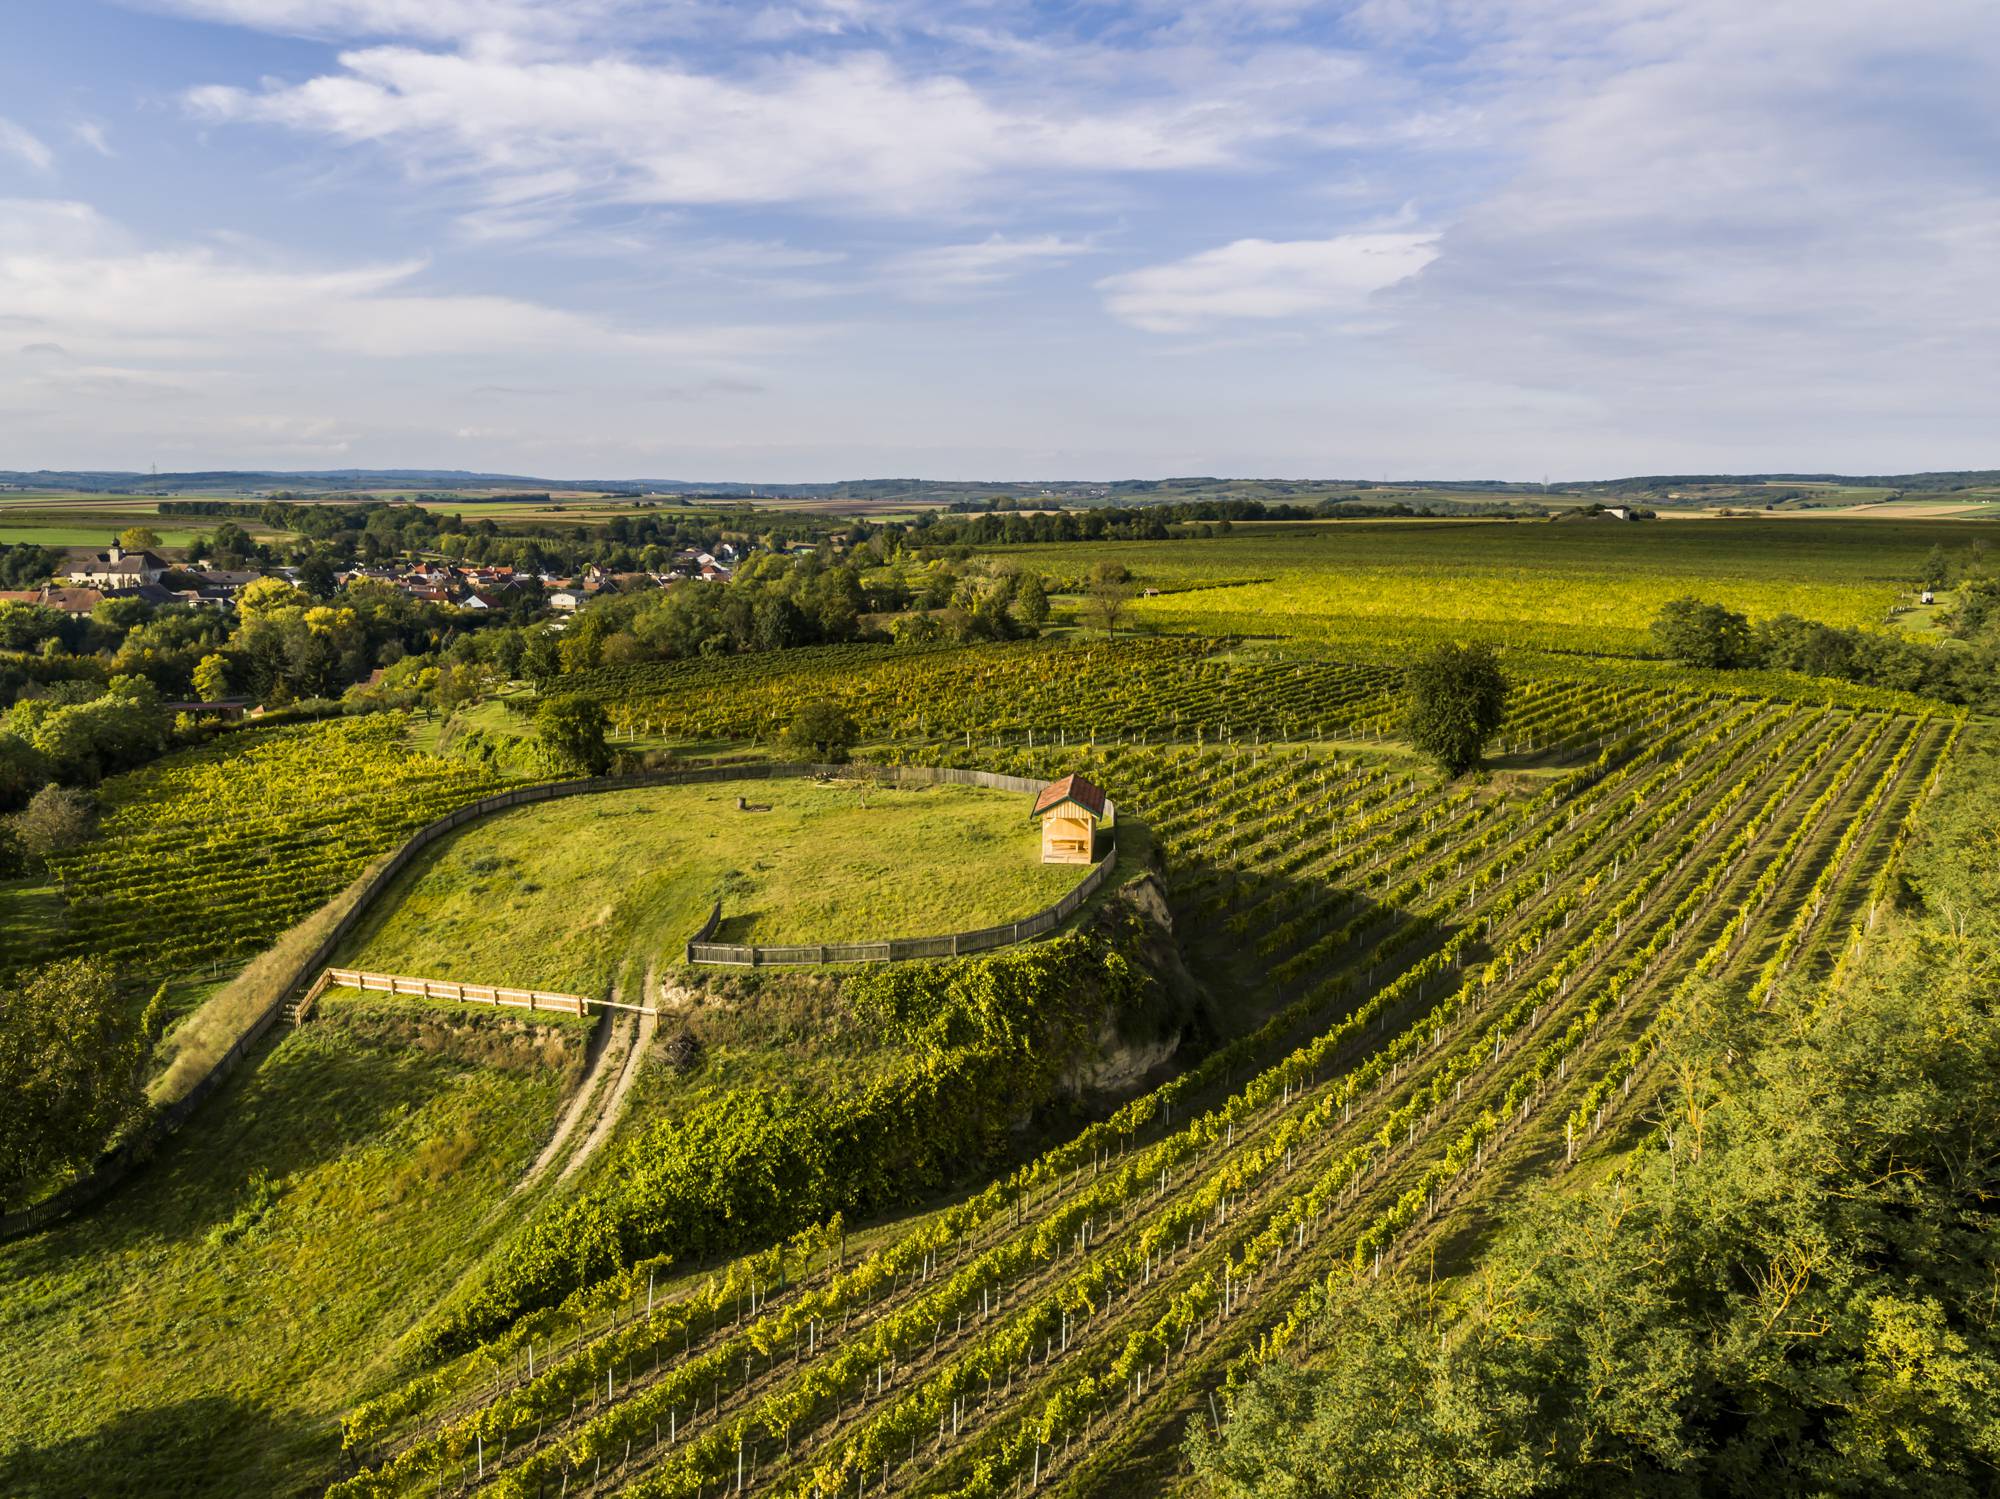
(1369, 588)
(1067, 693)
(206, 856)
(1439, 986)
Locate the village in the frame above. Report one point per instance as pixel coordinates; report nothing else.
(89, 576)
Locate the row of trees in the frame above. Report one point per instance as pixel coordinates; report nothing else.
(1712, 635)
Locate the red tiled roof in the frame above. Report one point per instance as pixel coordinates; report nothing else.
(1071, 788)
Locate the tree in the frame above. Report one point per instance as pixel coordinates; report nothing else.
(55, 821)
(1703, 634)
(138, 539)
(572, 732)
(1105, 604)
(1936, 568)
(1458, 696)
(822, 731)
(1110, 570)
(1032, 599)
(266, 596)
(69, 1069)
(211, 678)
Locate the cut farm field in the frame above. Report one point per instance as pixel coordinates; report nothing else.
(562, 895)
(1586, 586)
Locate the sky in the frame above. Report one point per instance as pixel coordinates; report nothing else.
(827, 239)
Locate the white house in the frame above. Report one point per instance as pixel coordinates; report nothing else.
(116, 568)
(569, 600)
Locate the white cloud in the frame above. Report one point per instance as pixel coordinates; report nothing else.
(1266, 279)
(942, 271)
(854, 129)
(93, 135)
(74, 276)
(25, 146)
(1726, 217)
(431, 20)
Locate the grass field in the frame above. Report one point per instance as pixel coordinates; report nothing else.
(561, 895)
(201, 1331)
(1572, 586)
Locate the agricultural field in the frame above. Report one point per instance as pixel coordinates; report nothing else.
(264, 826)
(975, 1227)
(1448, 985)
(1587, 587)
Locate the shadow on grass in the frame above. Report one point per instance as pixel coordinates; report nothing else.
(312, 1096)
(1239, 979)
(207, 1445)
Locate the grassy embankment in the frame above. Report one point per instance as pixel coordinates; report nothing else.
(200, 1330)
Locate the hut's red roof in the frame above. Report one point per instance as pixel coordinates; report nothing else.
(1071, 788)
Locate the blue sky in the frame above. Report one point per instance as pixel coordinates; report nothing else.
(944, 238)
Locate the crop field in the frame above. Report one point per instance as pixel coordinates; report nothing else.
(1440, 984)
(264, 826)
(558, 895)
(850, 1232)
(1583, 586)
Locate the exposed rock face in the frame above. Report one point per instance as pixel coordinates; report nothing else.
(1133, 1051)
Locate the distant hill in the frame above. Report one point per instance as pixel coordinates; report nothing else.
(977, 493)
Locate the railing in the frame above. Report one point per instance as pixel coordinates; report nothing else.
(478, 994)
(897, 949)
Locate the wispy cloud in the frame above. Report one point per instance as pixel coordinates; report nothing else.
(1266, 279)
(856, 130)
(94, 135)
(25, 146)
(83, 281)
(941, 272)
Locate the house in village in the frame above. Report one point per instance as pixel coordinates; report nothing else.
(1069, 810)
(115, 567)
(55, 596)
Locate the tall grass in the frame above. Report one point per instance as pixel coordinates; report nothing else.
(206, 1036)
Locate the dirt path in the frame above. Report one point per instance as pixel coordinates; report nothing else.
(614, 1103)
(599, 1063)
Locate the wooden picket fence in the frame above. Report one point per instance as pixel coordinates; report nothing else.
(473, 994)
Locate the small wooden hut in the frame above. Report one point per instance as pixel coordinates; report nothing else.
(1070, 810)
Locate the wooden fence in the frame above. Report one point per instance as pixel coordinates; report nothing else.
(112, 1166)
(477, 994)
(897, 949)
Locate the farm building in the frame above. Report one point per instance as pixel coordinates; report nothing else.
(1069, 810)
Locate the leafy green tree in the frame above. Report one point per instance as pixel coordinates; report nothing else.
(1936, 568)
(1703, 634)
(69, 1070)
(211, 678)
(822, 731)
(138, 539)
(1458, 696)
(1104, 605)
(57, 819)
(23, 769)
(1032, 599)
(572, 733)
